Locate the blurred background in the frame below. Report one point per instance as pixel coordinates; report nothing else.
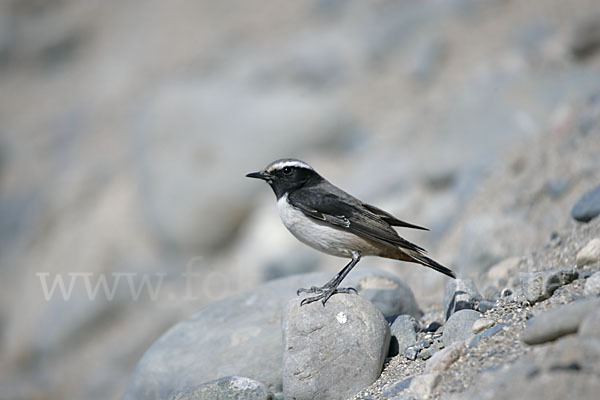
(126, 129)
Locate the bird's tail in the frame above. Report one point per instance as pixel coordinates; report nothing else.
(428, 262)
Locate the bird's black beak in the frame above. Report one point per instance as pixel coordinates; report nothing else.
(259, 175)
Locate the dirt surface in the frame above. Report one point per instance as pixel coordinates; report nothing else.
(520, 187)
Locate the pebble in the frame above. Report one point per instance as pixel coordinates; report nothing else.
(395, 388)
(411, 353)
(404, 333)
(390, 294)
(230, 387)
(592, 285)
(558, 322)
(486, 333)
(481, 324)
(485, 305)
(459, 327)
(442, 360)
(460, 294)
(430, 350)
(328, 357)
(423, 385)
(590, 253)
(541, 285)
(588, 206)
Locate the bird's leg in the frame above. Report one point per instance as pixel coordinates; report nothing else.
(331, 287)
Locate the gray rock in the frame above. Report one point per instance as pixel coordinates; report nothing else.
(459, 327)
(460, 294)
(589, 254)
(395, 388)
(482, 324)
(238, 336)
(558, 322)
(332, 352)
(423, 385)
(404, 333)
(590, 326)
(486, 333)
(585, 41)
(227, 388)
(430, 350)
(588, 206)
(485, 305)
(411, 352)
(592, 285)
(538, 286)
(388, 292)
(526, 380)
(573, 353)
(442, 360)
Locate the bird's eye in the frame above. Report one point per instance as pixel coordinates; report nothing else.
(287, 170)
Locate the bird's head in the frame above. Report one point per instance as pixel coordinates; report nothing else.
(286, 175)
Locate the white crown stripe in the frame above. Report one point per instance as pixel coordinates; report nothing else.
(288, 163)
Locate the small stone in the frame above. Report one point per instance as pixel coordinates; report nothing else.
(590, 253)
(432, 327)
(411, 353)
(558, 322)
(390, 294)
(459, 327)
(326, 359)
(592, 285)
(482, 323)
(588, 206)
(460, 294)
(395, 388)
(506, 292)
(485, 305)
(590, 326)
(430, 350)
(585, 41)
(442, 360)
(541, 285)
(423, 385)
(486, 333)
(404, 333)
(230, 387)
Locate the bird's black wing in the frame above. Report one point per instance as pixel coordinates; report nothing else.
(347, 213)
(390, 219)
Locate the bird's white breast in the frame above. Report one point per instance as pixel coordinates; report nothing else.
(320, 235)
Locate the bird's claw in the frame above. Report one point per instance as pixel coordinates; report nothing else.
(324, 293)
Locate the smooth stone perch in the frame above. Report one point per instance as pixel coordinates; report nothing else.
(332, 352)
(239, 336)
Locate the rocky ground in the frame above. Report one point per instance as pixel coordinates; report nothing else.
(503, 364)
(527, 326)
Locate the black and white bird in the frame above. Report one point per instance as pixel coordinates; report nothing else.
(328, 219)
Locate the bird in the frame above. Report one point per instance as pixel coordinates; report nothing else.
(323, 216)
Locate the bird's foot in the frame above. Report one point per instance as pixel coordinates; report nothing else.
(323, 293)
